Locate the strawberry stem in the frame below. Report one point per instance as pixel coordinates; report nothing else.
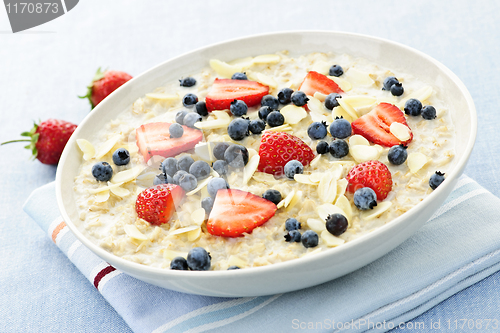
(20, 140)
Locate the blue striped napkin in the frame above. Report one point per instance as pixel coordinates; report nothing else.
(457, 247)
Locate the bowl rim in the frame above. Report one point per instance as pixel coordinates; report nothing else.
(156, 272)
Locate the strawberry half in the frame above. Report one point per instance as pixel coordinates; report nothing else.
(375, 125)
(278, 148)
(316, 82)
(373, 174)
(157, 204)
(154, 139)
(237, 212)
(224, 91)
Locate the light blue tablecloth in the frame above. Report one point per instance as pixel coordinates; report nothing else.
(43, 69)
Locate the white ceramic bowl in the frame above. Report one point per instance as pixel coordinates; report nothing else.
(310, 270)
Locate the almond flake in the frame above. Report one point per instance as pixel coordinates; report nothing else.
(321, 67)
(295, 200)
(183, 230)
(102, 196)
(327, 188)
(242, 62)
(212, 124)
(200, 186)
(344, 204)
(293, 114)
(282, 128)
(341, 187)
(204, 151)
(378, 210)
(103, 188)
(132, 231)
(250, 168)
(170, 254)
(127, 175)
(316, 225)
(304, 179)
(315, 177)
(315, 160)
(364, 153)
(194, 234)
(416, 161)
(357, 140)
(330, 240)
(316, 106)
(288, 198)
(224, 69)
(360, 101)
(266, 59)
(347, 108)
(358, 78)
(119, 191)
(235, 260)
(342, 83)
(319, 96)
(87, 149)
(422, 94)
(338, 111)
(198, 216)
(400, 131)
(327, 209)
(163, 97)
(107, 146)
(262, 78)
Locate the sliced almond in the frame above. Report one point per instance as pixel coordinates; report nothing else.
(250, 168)
(341, 188)
(327, 188)
(321, 67)
(224, 69)
(183, 230)
(102, 196)
(103, 188)
(132, 231)
(297, 197)
(235, 260)
(293, 114)
(335, 170)
(266, 59)
(262, 78)
(342, 83)
(376, 211)
(304, 179)
(87, 149)
(340, 112)
(344, 204)
(288, 198)
(107, 146)
(212, 124)
(349, 109)
(421, 94)
(358, 78)
(416, 161)
(242, 62)
(316, 225)
(170, 254)
(198, 216)
(400, 131)
(358, 140)
(362, 153)
(327, 209)
(315, 160)
(194, 234)
(315, 177)
(282, 128)
(204, 151)
(319, 96)
(163, 97)
(119, 191)
(330, 240)
(360, 101)
(200, 186)
(127, 175)
(316, 106)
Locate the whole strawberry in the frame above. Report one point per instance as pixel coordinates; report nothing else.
(103, 84)
(47, 139)
(158, 203)
(373, 174)
(278, 148)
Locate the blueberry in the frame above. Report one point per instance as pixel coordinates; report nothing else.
(187, 82)
(176, 130)
(179, 263)
(436, 180)
(179, 116)
(285, 96)
(365, 198)
(413, 107)
(198, 259)
(397, 89)
(397, 154)
(264, 112)
(292, 224)
(162, 178)
(292, 168)
(191, 118)
(220, 166)
(271, 101)
(299, 98)
(256, 126)
(331, 101)
(336, 224)
(121, 156)
(184, 163)
(340, 128)
(239, 76)
(389, 82)
(207, 204)
(238, 129)
(177, 176)
(336, 70)
(220, 149)
(102, 171)
(322, 147)
(310, 239)
(188, 182)
(201, 108)
(272, 195)
(236, 156)
(238, 108)
(339, 148)
(200, 169)
(232, 268)
(428, 112)
(293, 236)
(189, 100)
(216, 184)
(275, 118)
(169, 166)
(317, 130)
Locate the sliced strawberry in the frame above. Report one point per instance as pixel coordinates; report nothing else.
(154, 139)
(373, 174)
(278, 148)
(375, 125)
(157, 204)
(224, 91)
(316, 82)
(237, 212)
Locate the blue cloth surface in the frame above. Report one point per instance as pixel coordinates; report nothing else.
(457, 247)
(43, 69)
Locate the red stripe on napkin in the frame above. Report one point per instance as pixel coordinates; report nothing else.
(105, 271)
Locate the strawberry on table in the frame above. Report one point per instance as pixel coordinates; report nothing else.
(154, 139)
(158, 203)
(375, 125)
(316, 82)
(373, 174)
(47, 139)
(237, 212)
(224, 91)
(103, 84)
(278, 148)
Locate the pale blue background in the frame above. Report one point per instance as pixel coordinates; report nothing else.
(43, 69)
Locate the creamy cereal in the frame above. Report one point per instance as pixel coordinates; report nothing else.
(107, 209)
